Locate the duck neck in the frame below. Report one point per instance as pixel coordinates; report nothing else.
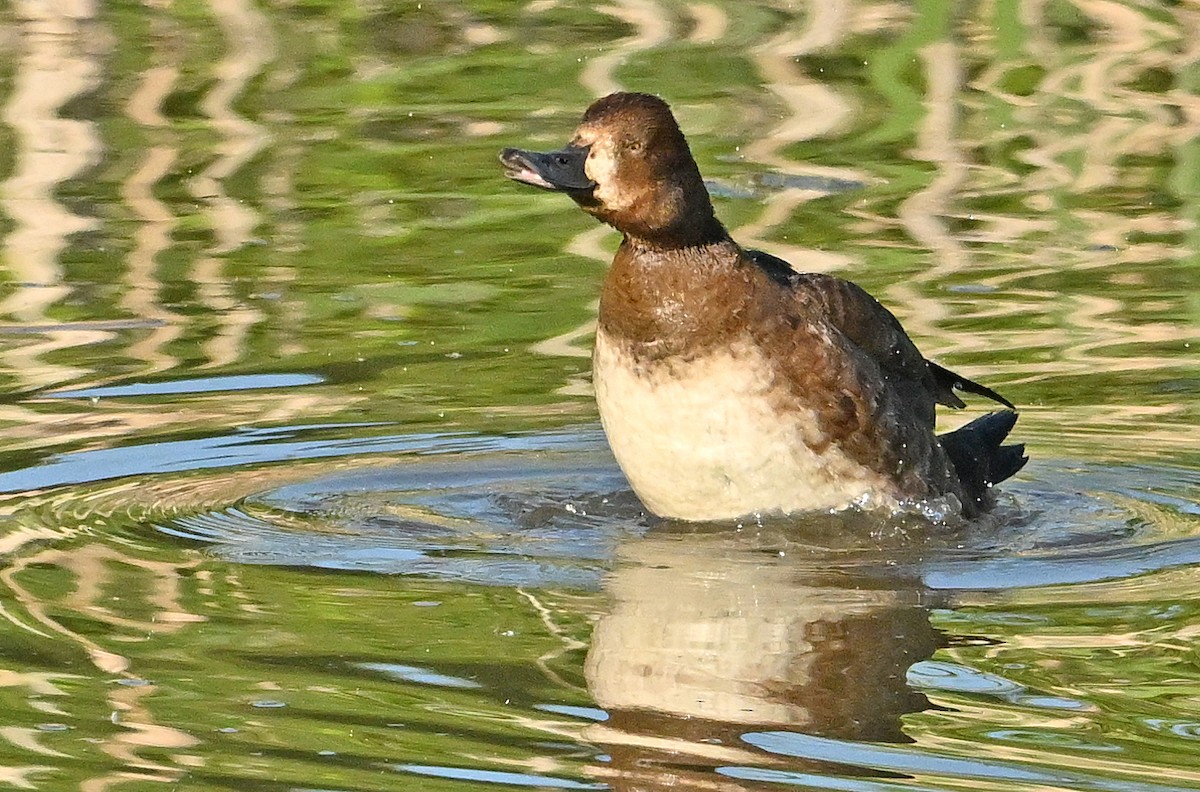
(683, 235)
(679, 220)
(675, 301)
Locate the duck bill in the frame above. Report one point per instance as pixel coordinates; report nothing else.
(559, 171)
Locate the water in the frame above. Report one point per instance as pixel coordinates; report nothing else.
(301, 484)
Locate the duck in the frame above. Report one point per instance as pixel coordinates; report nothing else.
(730, 384)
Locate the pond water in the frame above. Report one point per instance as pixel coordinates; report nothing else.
(302, 485)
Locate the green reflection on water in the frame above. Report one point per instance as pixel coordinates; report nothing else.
(194, 190)
(339, 209)
(210, 674)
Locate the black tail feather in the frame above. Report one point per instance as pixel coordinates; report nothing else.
(980, 460)
(949, 381)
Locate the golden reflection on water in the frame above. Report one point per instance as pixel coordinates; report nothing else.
(63, 50)
(814, 111)
(62, 60)
(250, 48)
(103, 592)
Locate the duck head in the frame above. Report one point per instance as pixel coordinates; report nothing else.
(629, 166)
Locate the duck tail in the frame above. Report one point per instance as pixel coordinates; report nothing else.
(980, 460)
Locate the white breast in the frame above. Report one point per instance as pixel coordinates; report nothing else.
(703, 439)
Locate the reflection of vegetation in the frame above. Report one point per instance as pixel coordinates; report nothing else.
(1020, 181)
(376, 195)
(1116, 692)
(204, 669)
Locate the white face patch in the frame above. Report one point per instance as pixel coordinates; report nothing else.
(705, 440)
(601, 167)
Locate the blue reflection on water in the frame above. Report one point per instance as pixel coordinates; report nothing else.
(421, 676)
(248, 447)
(498, 777)
(910, 760)
(237, 382)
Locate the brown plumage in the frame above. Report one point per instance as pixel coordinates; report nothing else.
(730, 384)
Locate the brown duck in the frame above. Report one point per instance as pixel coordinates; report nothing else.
(728, 383)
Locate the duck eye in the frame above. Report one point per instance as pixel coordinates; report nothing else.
(635, 145)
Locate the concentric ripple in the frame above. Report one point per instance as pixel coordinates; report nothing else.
(553, 512)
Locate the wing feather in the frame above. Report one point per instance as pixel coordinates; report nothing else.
(871, 327)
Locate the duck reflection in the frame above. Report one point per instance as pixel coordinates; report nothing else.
(711, 636)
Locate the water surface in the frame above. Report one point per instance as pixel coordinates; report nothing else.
(302, 486)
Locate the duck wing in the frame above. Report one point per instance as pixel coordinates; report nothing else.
(875, 330)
